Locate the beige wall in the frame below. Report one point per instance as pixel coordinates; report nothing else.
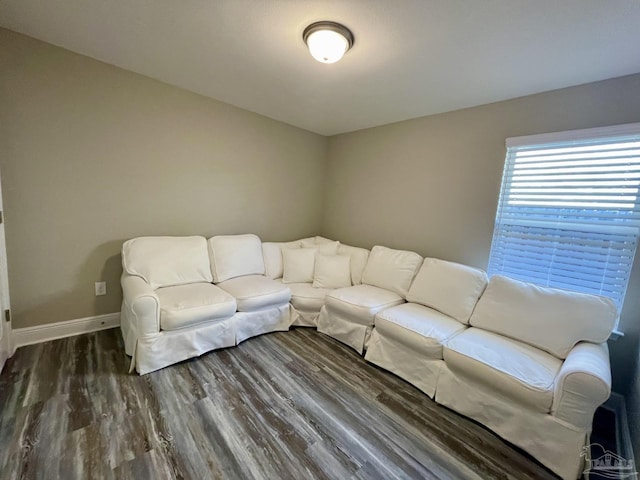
(92, 155)
(431, 184)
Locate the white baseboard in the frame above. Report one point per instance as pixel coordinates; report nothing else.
(69, 328)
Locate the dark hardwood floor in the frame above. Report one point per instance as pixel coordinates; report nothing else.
(293, 405)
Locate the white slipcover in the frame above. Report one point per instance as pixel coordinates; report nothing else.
(166, 261)
(505, 371)
(256, 292)
(152, 348)
(552, 441)
(359, 257)
(418, 328)
(186, 305)
(332, 271)
(299, 264)
(450, 288)
(300, 318)
(516, 370)
(307, 298)
(390, 353)
(320, 240)
(360, 303)
(348, 313)
(407, 340)
(161, 349)
(550, 319)
(259, 322)
(272, 254)
(583, 384)
(391, 269)
(234, 256)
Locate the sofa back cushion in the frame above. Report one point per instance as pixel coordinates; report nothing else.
(272, 254)
(550, 319)
(450, 288)
(391, 269)
(359, 257)
(235, 256)
(167, 261)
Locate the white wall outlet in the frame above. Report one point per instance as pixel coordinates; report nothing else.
(101, 288)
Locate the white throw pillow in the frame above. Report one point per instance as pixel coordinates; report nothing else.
(332, 271)
(299, 264)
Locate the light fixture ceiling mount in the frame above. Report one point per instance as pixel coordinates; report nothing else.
(327, 41)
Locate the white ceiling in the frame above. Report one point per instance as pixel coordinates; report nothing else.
(411, 57)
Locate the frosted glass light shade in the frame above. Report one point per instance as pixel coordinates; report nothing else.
(327, 41)
(327, 46)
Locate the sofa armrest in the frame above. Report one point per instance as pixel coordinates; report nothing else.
(582, 384)
(143, 305)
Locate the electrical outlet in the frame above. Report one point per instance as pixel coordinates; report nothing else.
(101, 288)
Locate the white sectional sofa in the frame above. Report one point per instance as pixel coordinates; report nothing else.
(530, 363)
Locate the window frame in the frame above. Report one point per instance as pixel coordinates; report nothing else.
(563, 139)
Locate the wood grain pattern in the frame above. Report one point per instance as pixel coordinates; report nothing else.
(291, 405)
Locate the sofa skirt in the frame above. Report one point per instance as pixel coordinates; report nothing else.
(252, 324)
(414, 367)
(555, 443)
(303, 319)
(153, 352)
(344, 330)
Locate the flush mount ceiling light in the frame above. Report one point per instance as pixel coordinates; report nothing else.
(327, 41)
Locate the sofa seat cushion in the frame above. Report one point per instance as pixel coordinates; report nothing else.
(518, 371)
(185, 305)
(307, 298)
(256, 292)
(360, 303)
(421, 329)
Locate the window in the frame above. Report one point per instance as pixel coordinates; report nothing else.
(569, 210)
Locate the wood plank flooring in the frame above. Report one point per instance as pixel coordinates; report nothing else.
(292, 405)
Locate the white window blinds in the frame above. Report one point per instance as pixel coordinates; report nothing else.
(569, 210)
